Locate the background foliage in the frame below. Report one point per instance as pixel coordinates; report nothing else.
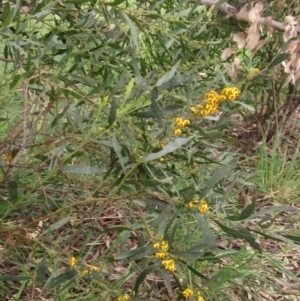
(93, 174)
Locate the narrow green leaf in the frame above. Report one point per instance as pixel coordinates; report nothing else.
(227, 230)
(292, 237)
(111, 229)
(278, 59)
(169, 148)
(167, 278)
(197, 273)
(248, 210)
(117, 149)
(241, 232)
(63, 278)
(188, 254)
(206, 233)
(13, 191)
(86, 170)
(187, 194)
(113, 112)
(41, 272)
(157, 112)
(83, 80)
(146, 114)
(130, 253)
(114, 3)
(142, 277)
(14, 278)
(169, 75)
(128, 90)
(133, 31)
(58, 224)
(271, 210)
(247, 107)
(175, 81)
(6, 15)
(217, 177)
(121, 83)
(245, 234)
(15, 81)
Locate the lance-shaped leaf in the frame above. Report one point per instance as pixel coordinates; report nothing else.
(168, 76)
(217, 177)
(86, 170)
(206, 233)
(278, 59)
(157, 112)
(197, 273)
(169, 148)
(63, 278)
(112, 113)
(142, 277)
(117, 149)
(241, 232)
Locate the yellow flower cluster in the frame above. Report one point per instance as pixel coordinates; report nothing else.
(188, 292)
(252, 73)
(162, 248)
(200, 298)
(91, 268)
(200, 204)
(231, 93)
(73, 263)
(162, 253)
(124, 297)
(180, 123)
(169, 265)
(7, 158)
(213, 99)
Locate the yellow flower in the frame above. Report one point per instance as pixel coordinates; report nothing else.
(169, 265)
(178, 120)
(203, 208)
(252, 73)
(164, 246)
(231, 92)
(193, 110)
(124, 297)
(187, 293)
(200, 298)
(85, 272)
(177, 132)
(186, 122)
(94, 268)
(181, 124)
(73, 261)
(162, 159)
(161, 255)
(156, 245)
(193, 204)
(222, 97)
(7, 158)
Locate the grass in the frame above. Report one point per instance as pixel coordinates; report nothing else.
(278, 175)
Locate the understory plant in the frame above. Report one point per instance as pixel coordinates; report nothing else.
(118, 180)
